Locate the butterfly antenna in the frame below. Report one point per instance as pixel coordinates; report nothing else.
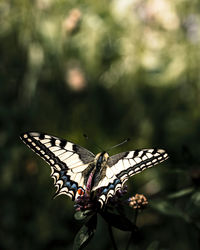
(86, 137)
(121, 143)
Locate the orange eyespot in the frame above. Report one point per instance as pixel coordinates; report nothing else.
(80, 191)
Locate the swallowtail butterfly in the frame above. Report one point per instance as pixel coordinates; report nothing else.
(74, 167)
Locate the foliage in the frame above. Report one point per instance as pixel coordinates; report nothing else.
(113, 70)
(115, 219)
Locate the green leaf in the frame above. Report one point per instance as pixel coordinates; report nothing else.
(196, 199)
(81, 215)
(181, 193)
(165, 207)
(85, 234)
(153, 246)
(118, 221)
(193, 207)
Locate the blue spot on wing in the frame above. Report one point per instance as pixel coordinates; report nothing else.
(62, 173)
(64, 178)
(74, 186)
(117, 181)
(67, 184)
(110, 186)
(105, 191)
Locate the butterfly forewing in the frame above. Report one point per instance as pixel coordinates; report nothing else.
(123, 165)
(67, 160)
(130, 163)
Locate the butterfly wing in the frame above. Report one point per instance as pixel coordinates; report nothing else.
(130, 163)
(67, 161)
(123, 165)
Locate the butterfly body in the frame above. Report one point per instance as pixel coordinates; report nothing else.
(77, 171)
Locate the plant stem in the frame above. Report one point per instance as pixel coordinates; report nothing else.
(132, 233)
(136, 215)
(112, 237)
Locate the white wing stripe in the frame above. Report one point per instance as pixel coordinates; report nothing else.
(44, 141)
(48, 144)
(69, 146)
(150, 155)
(126, 163)
(79, 168)
(109, 173)
(72, 159)
(137, 160)
(60, 152)
(131, 161)
(54, 149)
(64, 155)
(130, 155)
(144, 158)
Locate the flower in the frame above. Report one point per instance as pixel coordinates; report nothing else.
(139, 201)
(90, 200)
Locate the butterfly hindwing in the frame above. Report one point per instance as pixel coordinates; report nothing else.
(67, 160)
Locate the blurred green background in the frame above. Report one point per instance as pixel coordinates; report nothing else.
(110, 69)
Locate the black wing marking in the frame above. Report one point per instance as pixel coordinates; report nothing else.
(67, 160)
(122, 166)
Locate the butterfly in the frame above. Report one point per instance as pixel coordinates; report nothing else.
(76, 170)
